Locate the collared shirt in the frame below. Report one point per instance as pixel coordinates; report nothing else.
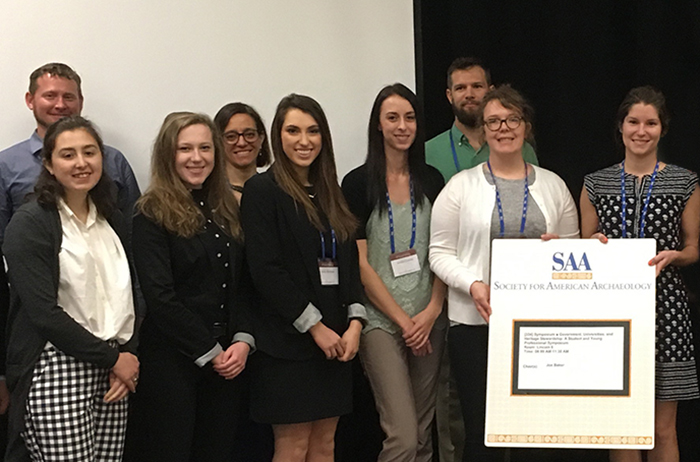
(438, 153)
(94, 287)
(21, 164)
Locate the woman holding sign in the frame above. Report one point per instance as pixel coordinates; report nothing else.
(643, 197)
(303, 260)
(392, 196)
(504, 197)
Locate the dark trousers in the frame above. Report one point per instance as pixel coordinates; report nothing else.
(180, 412)
(468, 350)
(468, 357)
(3, 435)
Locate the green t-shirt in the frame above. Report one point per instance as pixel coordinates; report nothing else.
(438, 153)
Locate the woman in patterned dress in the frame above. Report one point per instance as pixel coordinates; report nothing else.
(663, 202)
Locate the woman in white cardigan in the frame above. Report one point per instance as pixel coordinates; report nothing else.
(504, 197)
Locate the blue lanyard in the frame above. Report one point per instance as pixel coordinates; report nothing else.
(391, 220)
(500, 205)
(646, 200)
(323, 244)
(454, 153)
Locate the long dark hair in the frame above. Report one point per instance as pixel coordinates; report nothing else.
(222, 118)
(322, 172)
(376, 158)
(48, 189)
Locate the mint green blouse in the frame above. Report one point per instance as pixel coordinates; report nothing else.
(411, 291)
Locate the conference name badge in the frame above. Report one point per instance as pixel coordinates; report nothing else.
(405, 262)
(328, 270)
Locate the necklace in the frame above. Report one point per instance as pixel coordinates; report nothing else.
(310, 191)
(237, 188)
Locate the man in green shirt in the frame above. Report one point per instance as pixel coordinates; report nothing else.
(462, 146)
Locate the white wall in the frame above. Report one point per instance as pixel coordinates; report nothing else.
(141, 59)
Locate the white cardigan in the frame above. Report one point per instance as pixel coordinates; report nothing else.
(460, 242)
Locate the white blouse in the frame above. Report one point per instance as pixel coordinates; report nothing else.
(95, 283)
(460, 231)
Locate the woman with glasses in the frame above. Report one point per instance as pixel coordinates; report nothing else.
(644, 197)
(245, 142)
(402, 343)
(504, 197)
(247, 148)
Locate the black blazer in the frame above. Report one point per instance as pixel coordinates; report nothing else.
(4, 309)
(182, 299)
(32, 244)
(282, 248)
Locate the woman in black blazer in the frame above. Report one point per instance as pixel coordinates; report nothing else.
(4, 309)
(247, 149)
(303, 259)
(195, 338)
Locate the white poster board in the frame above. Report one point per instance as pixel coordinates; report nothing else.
(571, 344)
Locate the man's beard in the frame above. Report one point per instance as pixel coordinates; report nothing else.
(466, 118)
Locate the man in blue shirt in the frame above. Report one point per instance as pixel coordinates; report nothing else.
(54, 92)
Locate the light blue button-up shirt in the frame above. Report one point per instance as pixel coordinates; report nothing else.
(20, 166)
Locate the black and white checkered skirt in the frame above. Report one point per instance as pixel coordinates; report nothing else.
(66, 417)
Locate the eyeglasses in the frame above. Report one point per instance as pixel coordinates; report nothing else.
(250, 136)
(511, 122)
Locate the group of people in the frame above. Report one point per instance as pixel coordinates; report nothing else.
(218, 269)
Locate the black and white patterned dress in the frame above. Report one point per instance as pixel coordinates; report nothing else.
(676, 377)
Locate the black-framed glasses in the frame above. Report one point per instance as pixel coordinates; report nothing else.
(249, 135)
(511, 122)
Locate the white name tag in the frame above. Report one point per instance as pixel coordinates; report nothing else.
(405, 262)
(328, 270)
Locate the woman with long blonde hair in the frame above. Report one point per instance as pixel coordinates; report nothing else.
(195, 339)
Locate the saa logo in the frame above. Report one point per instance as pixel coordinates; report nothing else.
(571, 266)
